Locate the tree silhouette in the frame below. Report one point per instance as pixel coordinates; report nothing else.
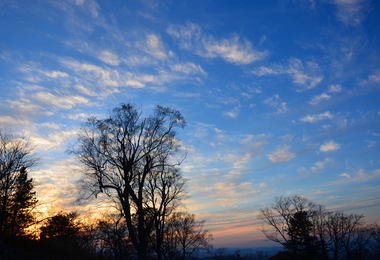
(300, 233)
(122, 153)
(61, 227)
(22, 202)
(341, 228)
(112, 231)
(185, 236)
(281, 220)
(16, 195)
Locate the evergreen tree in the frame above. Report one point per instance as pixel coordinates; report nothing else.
(300, 233)
(16, 196)
(61, 227)
(21, 204)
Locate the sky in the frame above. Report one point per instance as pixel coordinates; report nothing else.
(280, 97)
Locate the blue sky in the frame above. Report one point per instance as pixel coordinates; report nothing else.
(280, 97)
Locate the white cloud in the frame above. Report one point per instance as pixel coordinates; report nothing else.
(316, 99)
(55, 74)
(253, 145)
(64, 102)
(54, 140)
(320, 166)
(9, 120)
(85, 91)
(350, 12)
(372, 79)
(24, 105)
(106, 76)
(134, 83)
(89, 5)
(335, 88)
(233, 113)
(233, 50)
(345, 175)
(281, 154)
(315, 118)
(185, 34)
(153, 46)
(329, 146)
(275, 102)
(306, 76)
(188, 68)
(264, 71)
(80, 116)
(51, 125)
(109, 58)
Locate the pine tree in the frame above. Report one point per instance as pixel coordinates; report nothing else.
(22, 203)
(300, 232)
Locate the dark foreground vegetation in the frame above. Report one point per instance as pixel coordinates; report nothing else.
(134, 161)
(309, 231)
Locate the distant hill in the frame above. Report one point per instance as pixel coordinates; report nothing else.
(233, 251)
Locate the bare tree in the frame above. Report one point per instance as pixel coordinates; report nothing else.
(340, 228)
(16, 196)
(122, 153)
(164, 190)
(351, 222)
(319, 219)
(376, 241)
(185, 236)
(279, 220)
(112, 233)
(361, 239)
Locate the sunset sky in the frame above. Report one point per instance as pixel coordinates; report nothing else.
(280, 97)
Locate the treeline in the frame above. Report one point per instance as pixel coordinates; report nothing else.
(132, 159)
(307, 230)
(65, 236)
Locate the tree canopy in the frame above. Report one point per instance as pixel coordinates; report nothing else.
(134, 159)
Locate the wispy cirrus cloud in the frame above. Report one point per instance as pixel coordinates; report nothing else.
(346, 175)
(24, 105)
(61, 102)
(306, 76)
(109, 58)
(275, 102)
(35, 72)
(234, 113)
(13, 121)
(153, 46)
(350, 12)
(188, 68)
(233, 50)
(320, 166)
(92, 72)
(78, 116)
(281, 154)
(187, 36)
(53, 140)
